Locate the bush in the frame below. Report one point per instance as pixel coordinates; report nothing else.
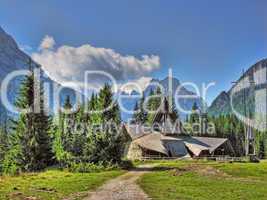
(88, 167)
(126, 164)
(10, 165)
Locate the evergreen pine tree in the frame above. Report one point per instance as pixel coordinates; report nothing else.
(67, 124)
(70, 134)
(151, 106)
(80, 132)
(105, 100)
(194, 119)
(136, 112)
(3, 147)
(142, 114)
(31, 137)
(262, 149)
(105, 145)
(154, 103)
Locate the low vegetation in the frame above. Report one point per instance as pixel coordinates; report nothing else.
(52, 185)
(206, 180)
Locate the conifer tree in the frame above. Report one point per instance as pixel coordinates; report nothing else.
(194, 117)
(136, 112)
(94, 117)
(105, 143)
(262, 149)
(194, 120)
(80, 132)
(62, 156)
(105, 101)
(151, 105)
(3, 136)
(67, 124)
(31, 137)
(141, 116)
(3, 147)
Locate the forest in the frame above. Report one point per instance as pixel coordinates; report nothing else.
(83, 140)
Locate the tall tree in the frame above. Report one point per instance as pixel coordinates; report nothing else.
(105, 143)
(141, 115)
(194, 117)
(151, 106)
(194, 120)
(31, 137)
(136, 110)
(155, 100)
(80, 131)
(71, 132)
(262, 149)
(3, 147)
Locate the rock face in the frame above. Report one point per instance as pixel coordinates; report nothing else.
(244, 93)
(12, 59)
(184, 103)
(221, 105)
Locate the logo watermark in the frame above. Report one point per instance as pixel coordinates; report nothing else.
(247, 87)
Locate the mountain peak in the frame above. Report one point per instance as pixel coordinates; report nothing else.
(134, 92)
(154, 80)
(221, 98)
(2, 30)
(223, 93)
(6, 41)
(172, 78)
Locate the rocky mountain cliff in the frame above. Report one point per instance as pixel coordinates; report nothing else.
(220, 105)
(243, 93)
(12, 59)
(185, 104)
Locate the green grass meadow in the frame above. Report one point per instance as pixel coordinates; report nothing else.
(198, 180)
(52, 185)
(170, 180)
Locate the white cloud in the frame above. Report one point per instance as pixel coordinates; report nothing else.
(68, 63)
(25, 48)
(48, 42)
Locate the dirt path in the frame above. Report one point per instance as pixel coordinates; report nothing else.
(123, 187)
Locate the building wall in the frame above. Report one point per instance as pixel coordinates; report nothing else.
(134, 152)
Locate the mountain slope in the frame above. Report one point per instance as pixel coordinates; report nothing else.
(242, 93)
(221, 105)
(185, 104)
(12, 59)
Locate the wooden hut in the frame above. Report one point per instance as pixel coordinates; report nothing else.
(168, 139)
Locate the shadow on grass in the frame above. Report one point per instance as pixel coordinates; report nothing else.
(152, 169)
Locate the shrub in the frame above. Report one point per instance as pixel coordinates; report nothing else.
(10, 165)
(89, 167)
(126, 164)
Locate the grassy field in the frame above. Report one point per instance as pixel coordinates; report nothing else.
(52, 185)
(198, 180)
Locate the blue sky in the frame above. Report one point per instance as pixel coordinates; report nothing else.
(202, 41)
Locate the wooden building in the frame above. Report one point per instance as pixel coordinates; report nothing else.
(167, 138)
